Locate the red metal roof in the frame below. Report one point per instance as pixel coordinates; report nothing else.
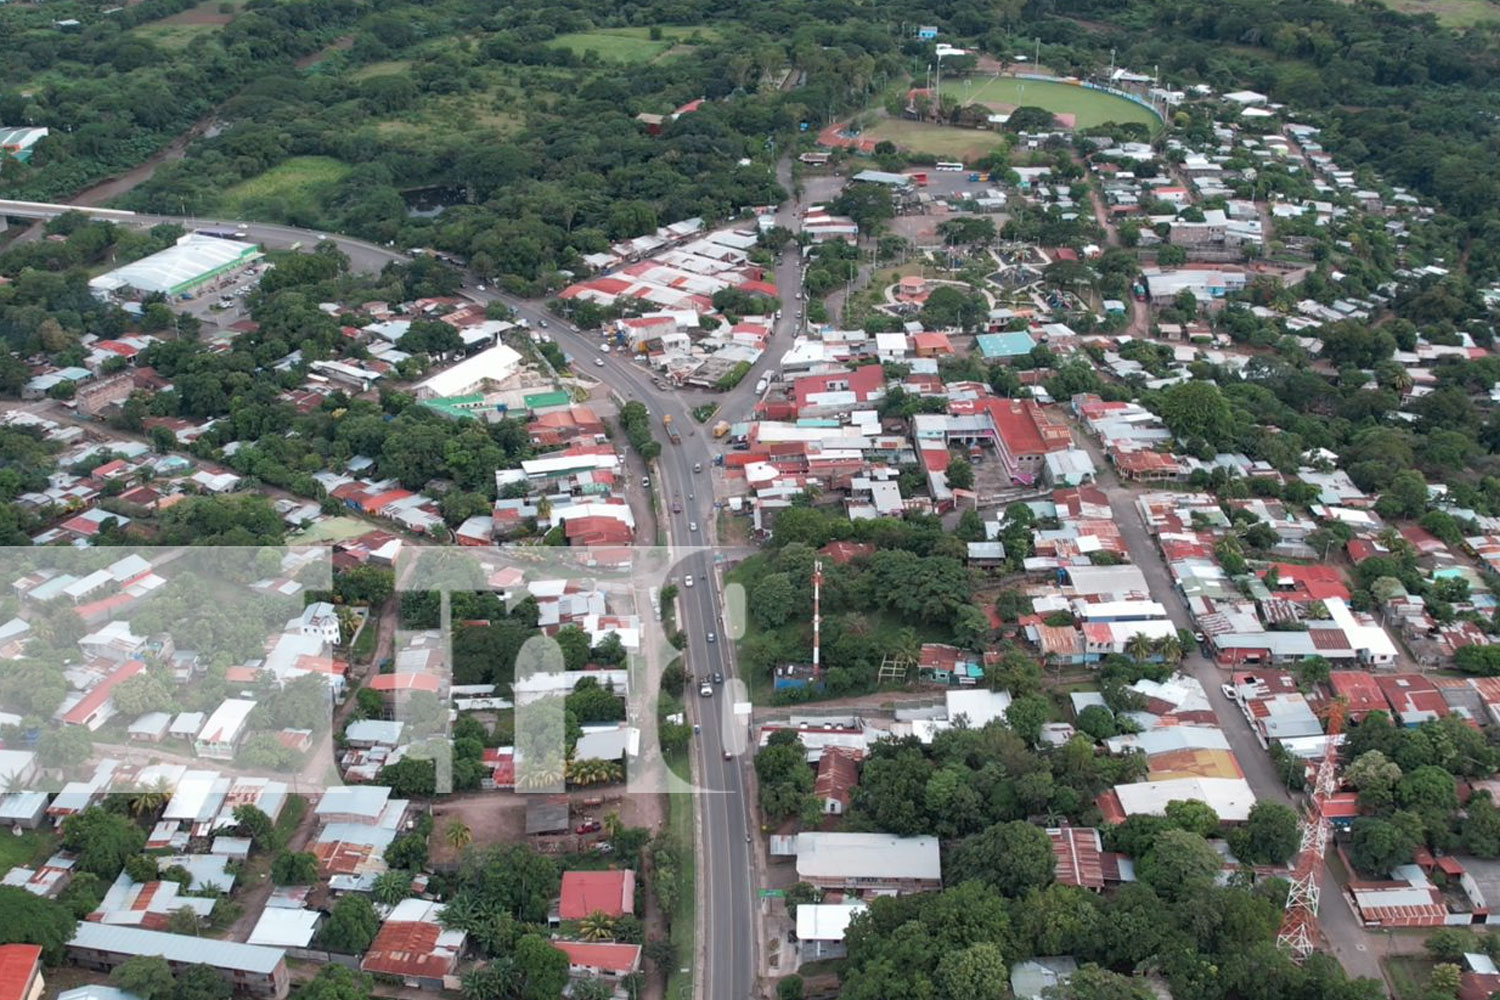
(406, 949)
(609, 892)
(79, 714)
(19, 965)
(1079, 856)
(606, 957)
(405, 682)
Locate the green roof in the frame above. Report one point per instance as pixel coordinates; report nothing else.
(458, 407)
(542, 400)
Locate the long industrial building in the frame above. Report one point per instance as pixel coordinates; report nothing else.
(177, 270)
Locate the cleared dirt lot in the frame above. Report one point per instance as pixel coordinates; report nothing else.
(500, 818)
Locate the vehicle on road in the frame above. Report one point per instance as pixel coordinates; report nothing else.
(542, 323)
(697, 466)
(677, 506)
(721, 428)
(712, 638)
(687, 581)
(646, 482)
(598, 362)
(718, 678)
(764, 383)
(1229, 692)
(673, 434)
(589, 826)
(692, 525)
(483, 289)
(728, 755)
(603, 348)
(704, 691)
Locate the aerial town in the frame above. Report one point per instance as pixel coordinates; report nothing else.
(1026, 527)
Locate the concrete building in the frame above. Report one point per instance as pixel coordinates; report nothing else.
(221, 734)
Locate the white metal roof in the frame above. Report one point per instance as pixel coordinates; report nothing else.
(867, 855)
(826, 921)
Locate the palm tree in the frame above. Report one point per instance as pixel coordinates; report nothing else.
(392, 887)
(597, 926)
(542, 774)
(458, 835)
(543, 509)
(1170, 648)
(613, 824)
(461, 913)
(1138, 647)
(149, 801)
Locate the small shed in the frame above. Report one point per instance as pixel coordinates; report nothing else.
(547, 815)
(151, 727)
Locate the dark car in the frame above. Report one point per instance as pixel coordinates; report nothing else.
(718, 678)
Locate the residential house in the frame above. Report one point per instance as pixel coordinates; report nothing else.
(869, 862)
(610, 961)
(221, 734)
(609, 892)
(21, 972)
(413, 946)
(838, 771)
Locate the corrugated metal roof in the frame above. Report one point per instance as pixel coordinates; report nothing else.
(177, 948)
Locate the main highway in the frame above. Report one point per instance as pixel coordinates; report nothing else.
(728, 931)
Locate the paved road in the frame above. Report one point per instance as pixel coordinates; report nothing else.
(1343, 935)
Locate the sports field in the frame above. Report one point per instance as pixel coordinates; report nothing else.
(1088, 107)
(943, 141)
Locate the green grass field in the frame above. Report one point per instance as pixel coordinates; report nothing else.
(301, 182)
(625, 45)
(176, 31)
(381, 68)
(1090, 107)
(942, 141)
(25, 849)
(333, 529)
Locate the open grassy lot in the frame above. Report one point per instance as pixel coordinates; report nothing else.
(25, 849)
(333, 529)
(625, 45)
(942, 141)
(1451, 13)
(385, 68)
(177, 31)
(1089, 107)
(300, 182)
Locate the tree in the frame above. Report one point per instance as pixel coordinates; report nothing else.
(201, 982)
(597, 926)
(772, 600)
(1405, 497)
(544, 969)
(1013, 857)
(147, 976)
(351, 926)
(960, 473)
(28, 919)
(1178, 864)
(391, 887)
(300, 868)
(1193, 816)
(336, 982)
(1270, 837)
(184, 920)
(1480, 833)
(1027, 715)
(1378, 845)
(1098, 722)
(458, 835)
(789, 988)
(1198, 410)
(977, 972)
(65, 747)
(103, 840)
(1374, 776)
(1090, 982)
(141, 868)
(253, 823)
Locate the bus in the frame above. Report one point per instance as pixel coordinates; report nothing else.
(952, 166)
(223, 234)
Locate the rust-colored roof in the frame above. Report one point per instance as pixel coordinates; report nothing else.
(608, 892)
(407, 949)
(1079, 856)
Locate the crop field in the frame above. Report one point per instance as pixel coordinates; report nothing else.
(299, 182)
(1089, 107)
(625, 45)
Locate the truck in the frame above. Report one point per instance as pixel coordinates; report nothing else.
(673, 434)
(721, 428)
(973, 178)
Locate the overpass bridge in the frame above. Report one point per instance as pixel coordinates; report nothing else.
(46, 210)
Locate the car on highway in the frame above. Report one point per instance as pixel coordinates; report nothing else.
(589, 826)
(598, 362)
(692, 525)
(697, 466)
(718, 678)
(687, 581)
(712, 638)
(677, 506)
(646, 482)
(704, 691)
(728, 755)
(542, 323)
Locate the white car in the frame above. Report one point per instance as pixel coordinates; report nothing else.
(692, 525)
(687, 581)
(483, 289)
(598, 362)
(1229, 692)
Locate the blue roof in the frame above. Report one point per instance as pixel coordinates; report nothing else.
(1005, 345)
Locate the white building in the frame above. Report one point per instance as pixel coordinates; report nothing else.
(221, 734)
